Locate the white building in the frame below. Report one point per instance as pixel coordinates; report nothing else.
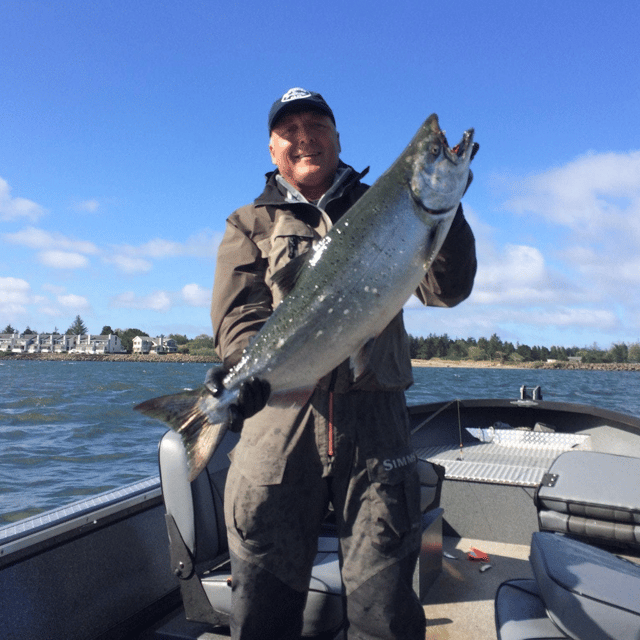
(98, 344)
(59, 343)
(159, 345)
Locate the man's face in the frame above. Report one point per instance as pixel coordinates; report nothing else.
(305, 147)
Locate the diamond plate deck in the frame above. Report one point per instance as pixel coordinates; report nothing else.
(513, 457)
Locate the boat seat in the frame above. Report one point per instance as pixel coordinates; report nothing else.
(587, 593)
(520, 613)
(592, 496)
(199, 550)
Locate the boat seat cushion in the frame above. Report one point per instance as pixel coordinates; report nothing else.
(592, 494)
(521, 615)
(588, 592)
(323, 613)
(597, 531)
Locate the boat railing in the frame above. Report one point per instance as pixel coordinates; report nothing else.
(88, 512)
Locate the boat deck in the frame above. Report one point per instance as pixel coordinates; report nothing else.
(517, 458)
(460, 604)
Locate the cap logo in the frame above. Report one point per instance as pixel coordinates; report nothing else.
(295, 94)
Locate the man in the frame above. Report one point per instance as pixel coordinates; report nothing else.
(291, 464)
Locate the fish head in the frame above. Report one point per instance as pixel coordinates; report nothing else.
(439, 175)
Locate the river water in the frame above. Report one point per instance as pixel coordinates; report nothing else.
(67, 429)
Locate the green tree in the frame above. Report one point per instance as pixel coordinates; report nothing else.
(458, 350)
(202, 345)
(29, 331)
(9, 329)
(524, 351)
(619, 352)
(107, 330)
(634, 352)
(180, 339)
(558, 353)
(494, 346)
(477, 353)
(77, 328)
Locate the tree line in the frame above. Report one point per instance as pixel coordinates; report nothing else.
(492, 349)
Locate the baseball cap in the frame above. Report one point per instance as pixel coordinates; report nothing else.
(298, 99)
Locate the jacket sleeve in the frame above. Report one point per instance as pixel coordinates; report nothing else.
(450, 279)
(241, 300)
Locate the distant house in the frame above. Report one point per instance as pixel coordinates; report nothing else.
(159, 345)
(98, 344)
(10, 342)
(59, 343)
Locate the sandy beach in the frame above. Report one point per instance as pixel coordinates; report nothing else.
(486, 364)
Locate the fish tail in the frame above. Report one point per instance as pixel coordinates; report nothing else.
(198, 417)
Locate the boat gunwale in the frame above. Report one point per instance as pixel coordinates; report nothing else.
(35, 534)
(618, 419)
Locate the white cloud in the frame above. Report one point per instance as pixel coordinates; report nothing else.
(49, 310)
(129, 264)
(160, 248)
(56, 289)
(591, 194)
(196, 296)
(157, 301)
(75, 302)
(63, 260)
(15, 208)
(593, 206)
(90, 206)
(192, 295)
(514, 273)
(36, 238)
(15, 295)
(136, 259)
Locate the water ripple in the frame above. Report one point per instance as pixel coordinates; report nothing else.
(67, 429)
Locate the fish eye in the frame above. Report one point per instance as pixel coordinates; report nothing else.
(435, 149)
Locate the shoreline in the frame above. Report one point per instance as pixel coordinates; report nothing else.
(110, 357)
(434, 362)
(558, 365)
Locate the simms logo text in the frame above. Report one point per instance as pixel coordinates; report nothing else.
(395, 463)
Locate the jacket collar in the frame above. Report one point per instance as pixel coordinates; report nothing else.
(278, 191)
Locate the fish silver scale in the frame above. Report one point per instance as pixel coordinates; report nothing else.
(362, 273)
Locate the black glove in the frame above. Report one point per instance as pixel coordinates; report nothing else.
(253, 396)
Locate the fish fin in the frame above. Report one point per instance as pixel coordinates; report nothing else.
(287, 277)
(188, 414)
(290, 398)
(359, 361)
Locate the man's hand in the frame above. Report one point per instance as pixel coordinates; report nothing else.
(253, 396)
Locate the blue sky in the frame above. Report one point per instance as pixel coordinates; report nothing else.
(129, 131)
